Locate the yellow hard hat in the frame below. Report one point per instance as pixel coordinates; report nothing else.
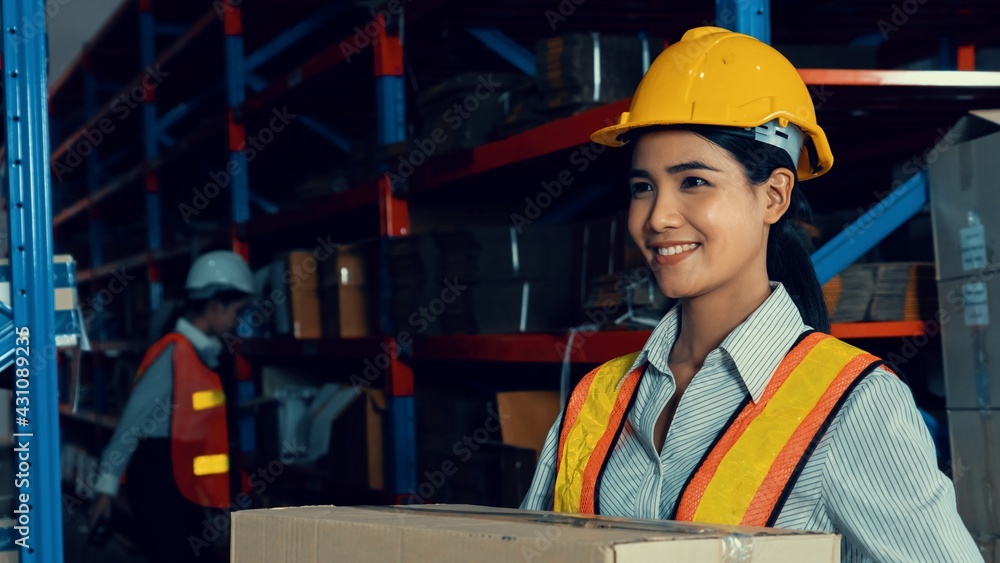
(715, 77)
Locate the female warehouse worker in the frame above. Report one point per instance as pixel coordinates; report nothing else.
(736, 411)
(172, 436)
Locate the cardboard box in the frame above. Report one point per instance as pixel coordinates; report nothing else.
(374, 410)
(964, 198)
(357, 265)
(975, 461)
(67, 318)
(526, 416)
(295, 273)
(969, 311)
(460, 533)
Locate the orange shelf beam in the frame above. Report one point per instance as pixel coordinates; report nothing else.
(881, 329)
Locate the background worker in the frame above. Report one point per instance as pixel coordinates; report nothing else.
(178, 465)
(736, 411)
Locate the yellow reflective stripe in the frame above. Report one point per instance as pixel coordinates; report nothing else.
(590, 425)
(211, 464)
(745, 466)
(202, 400)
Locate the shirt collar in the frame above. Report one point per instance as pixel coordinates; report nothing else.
(755, 347)
(208, 347)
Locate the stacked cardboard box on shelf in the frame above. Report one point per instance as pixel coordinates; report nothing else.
(452, 533)
(294, 274)
(964, 202)
(885, 291)
(482, 280)
(614, 274)
(466, 111)
(591, 68)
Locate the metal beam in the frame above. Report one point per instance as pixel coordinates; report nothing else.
(335, 138)
(30, 229)
(288, 38)
(506, 47)
(752, 17)
(868, 230)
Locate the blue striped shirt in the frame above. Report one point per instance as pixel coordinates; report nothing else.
(873, 477)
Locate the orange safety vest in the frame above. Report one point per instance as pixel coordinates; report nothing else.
(748, 473)
(199, 435)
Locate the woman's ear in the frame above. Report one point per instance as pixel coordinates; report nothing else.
(778, 194)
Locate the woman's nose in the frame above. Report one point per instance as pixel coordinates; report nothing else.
(664, 214)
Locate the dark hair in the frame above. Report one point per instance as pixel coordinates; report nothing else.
(173, 310)
(788, 260)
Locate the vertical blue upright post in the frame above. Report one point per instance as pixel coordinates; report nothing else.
(400, 409)
(752, 17)
(30, 223)
(151, 145)
(240, 186)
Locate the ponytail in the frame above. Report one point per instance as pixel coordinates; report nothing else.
(788, 262)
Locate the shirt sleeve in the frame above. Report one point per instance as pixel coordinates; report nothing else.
(146, 415)
(540, 493)
(882, 487)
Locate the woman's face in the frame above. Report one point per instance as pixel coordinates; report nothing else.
(699, 222)
(224, 318)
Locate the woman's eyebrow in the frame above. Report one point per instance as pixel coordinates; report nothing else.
(692, 165)
(638, 173)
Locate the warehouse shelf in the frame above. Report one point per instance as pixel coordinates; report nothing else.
(313, 211)
(588, 347)
(103, 420)
(145, 258)
(201, 26)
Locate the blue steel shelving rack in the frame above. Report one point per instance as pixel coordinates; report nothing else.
(30, 222)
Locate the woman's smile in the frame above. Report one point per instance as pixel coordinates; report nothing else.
(668, 253)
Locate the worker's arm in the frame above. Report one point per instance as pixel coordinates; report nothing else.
(146, 415)
(540, 494)
(882, 487)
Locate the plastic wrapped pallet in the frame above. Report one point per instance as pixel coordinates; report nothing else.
(591, 68)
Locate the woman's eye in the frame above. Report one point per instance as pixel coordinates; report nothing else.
(693, 182)
(640, 188)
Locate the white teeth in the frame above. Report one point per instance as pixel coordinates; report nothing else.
(671, 250)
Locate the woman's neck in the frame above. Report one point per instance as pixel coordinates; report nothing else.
(707, 320)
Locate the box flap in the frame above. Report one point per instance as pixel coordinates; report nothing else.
(977, 123)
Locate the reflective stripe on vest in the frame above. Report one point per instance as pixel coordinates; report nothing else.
(199, 436)
(747, 474)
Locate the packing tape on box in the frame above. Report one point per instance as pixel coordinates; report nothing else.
(597, 65)
(737, 542)
(515, 258)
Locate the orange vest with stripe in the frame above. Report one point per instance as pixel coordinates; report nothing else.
(199, 435)
(747, 474)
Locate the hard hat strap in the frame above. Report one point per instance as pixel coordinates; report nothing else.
(788, 139)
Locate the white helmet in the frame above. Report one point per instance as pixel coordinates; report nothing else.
(219, 270)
